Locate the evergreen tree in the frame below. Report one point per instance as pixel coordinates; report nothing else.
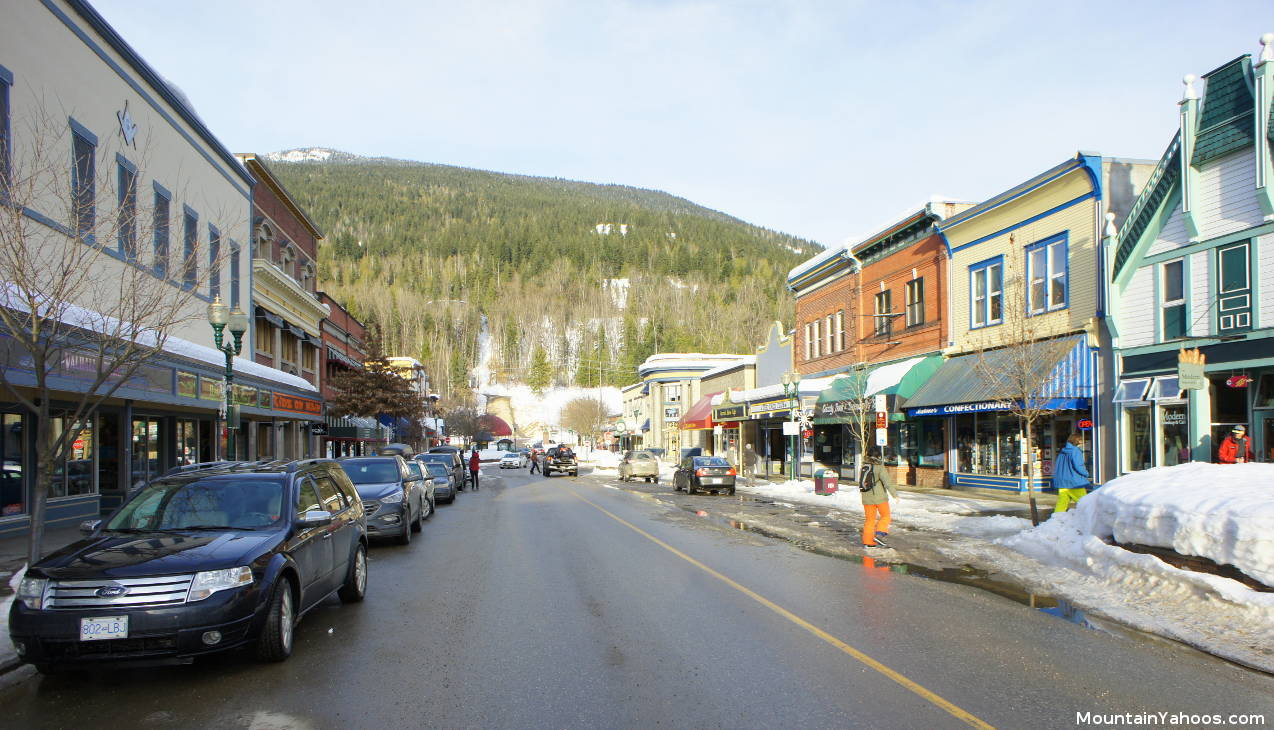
(541, 375)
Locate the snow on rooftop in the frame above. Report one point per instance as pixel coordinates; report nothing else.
(818, 260)
(744, 360)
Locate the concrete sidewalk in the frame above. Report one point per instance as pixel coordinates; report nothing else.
(13, 551)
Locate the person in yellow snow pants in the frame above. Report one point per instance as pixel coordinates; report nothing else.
(1068, 497)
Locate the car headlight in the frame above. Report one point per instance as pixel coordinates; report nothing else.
(208, 582)
(392, 498)
(31, 592)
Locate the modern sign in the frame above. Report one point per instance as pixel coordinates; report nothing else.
(882, 437)
(1190, 364)
(1238, 381)
(297, 404)
(791, 428)
(730, 413)
(318, 428)
(1084, 424)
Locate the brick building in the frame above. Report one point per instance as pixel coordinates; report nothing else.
(344, 349)
(872, 313)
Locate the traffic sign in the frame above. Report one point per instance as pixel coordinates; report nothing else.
(882, 419)
(882, 437)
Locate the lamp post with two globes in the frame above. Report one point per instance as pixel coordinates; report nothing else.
(220, 316)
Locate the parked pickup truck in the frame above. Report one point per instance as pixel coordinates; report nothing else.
(560, 458)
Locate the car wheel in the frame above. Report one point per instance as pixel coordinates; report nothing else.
(690, 487)
(676, 485)
(355, 588)
(574, 473)
(433, 507)
(655, 479)
(419, 522)
(405, 537)
(275, 642)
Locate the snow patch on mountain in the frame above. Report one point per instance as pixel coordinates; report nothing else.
(618, 290)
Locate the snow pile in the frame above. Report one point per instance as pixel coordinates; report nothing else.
(1221, 512)
(932, 512)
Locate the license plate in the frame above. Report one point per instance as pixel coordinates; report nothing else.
(103, 627)
(713, 480)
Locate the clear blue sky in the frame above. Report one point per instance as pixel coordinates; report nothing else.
(820, 119)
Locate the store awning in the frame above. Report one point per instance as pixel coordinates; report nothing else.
(1061, 374)
(646, 426)
(845, 394)
(270, 317)
(699, 416)
(336, 355)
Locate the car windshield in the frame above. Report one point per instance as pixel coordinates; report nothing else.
(436, 469)
(371, 471)
(512, 456)
(710, 461)
(212, 503)
(643, 456)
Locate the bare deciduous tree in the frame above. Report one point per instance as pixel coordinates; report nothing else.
(586, 416)
(81, 308)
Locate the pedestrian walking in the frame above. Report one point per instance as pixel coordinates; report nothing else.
(749, 461)
(535, 460)
(1236, 448)
(1070, 476)
(875, 485)
(474, 464)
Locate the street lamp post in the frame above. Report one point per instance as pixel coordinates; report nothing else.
(791, 388)
(219, 316)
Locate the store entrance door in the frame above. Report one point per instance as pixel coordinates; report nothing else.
(1266, 431)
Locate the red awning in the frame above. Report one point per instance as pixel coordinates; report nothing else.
(699, 417)
(496, 425)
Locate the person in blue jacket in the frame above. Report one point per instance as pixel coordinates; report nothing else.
(1070, 476)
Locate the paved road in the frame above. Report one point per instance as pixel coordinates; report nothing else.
(563, 603)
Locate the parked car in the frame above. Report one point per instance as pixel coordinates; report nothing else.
(444, 481)
(197, 562)
(450, 460)
(561, 459)
(512, 460)
(457, 460)
(639, 465)
(393, 496)
(429, 493)
(710, 473)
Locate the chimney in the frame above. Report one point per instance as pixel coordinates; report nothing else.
(1264, 88)
(1189, 176)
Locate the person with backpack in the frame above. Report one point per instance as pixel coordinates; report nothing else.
(474, 463)
(1236, 448)
(875, 485)
(1070, 476)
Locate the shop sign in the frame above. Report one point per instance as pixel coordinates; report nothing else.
(297, 404)
(999, 405)
(882, 420)
(1084, 424)
(1238, 381)
(318, 428)
(791, 428)
(1174, 418)
(730, 413)
(769, 409)
(833, 409)
(1190, 365)
(882, 437)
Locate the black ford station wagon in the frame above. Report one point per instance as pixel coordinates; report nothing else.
(199, 561)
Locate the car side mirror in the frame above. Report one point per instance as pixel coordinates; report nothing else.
(88, 527)
(314, 518)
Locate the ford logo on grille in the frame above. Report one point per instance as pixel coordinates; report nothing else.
(111, 591)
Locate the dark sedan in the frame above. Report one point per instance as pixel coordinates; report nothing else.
(706, 473)
(197, 562)
(444, 482)
(393, 495)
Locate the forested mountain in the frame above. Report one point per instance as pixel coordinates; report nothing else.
(578, 282)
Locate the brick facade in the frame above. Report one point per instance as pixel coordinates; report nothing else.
(837, 295)
(925, 261)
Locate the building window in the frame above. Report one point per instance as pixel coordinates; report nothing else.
(263, 337)
(83, 176)
(126, 184)
(1046, 273)
(1176, 434)
(308, 357)
(840, 331)
(827, 334)
(214, 262)
(672, 393)
(6, 80)
(916, 302)
(1173, 300)
(809, 341)
(190, 247)
(884, 323)
(235, 274)
(986, 283)
(1138, 439)
(161, 222)
(78, 474)
(1234, 305)
(12, 487)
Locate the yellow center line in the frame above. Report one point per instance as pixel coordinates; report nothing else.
(927, 694)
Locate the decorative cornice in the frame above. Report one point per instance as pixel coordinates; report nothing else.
(271, 284)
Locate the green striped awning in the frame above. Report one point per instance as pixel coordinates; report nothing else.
(903, 378)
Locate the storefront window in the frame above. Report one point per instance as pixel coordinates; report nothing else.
(930, 446)
(12, 493)
(1010, 439)
(965, 443)
(187, 442)
(187, 385)
(985, 460)
(1175, 426)
(146, 463)
(827, 444)
(78, 475)
(1229, 409)
(1138, 440)
(1265, 392)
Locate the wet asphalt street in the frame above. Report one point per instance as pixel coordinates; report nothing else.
(567, 602)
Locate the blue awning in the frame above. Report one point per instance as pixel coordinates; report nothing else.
(1063, 368)
(646, 426)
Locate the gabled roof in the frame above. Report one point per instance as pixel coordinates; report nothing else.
(1162, 183)
(1079, 161)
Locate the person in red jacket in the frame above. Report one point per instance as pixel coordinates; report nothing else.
(1236, 448)
(474, 463)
